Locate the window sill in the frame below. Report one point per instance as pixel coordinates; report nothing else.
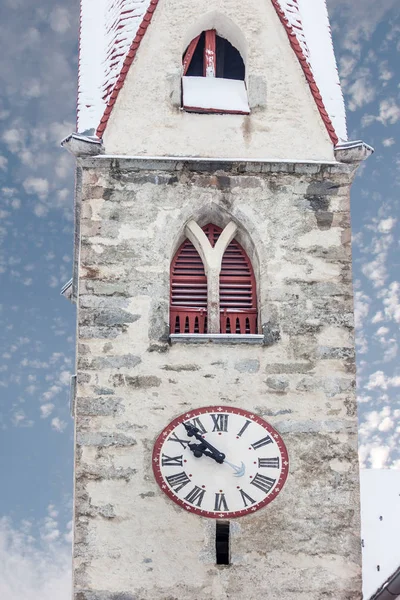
(214, 95)
(215, 338)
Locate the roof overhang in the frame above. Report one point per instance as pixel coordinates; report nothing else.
(390, 589)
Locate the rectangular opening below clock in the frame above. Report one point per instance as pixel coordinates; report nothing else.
(222, 542)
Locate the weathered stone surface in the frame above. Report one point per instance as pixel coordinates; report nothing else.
(104, 439)
(104, 595)
(335, 353)
(102, 332)
(106, 317)
(271, 333)
(137, 382)
(248, 366)
(104, 405)
(293, 222)
(331, 386)
(303, 367)
(278, 384)
(127, 361)
(180, 368)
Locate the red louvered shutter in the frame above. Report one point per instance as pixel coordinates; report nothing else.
(237, 292)
(237, 289)
(188, 291)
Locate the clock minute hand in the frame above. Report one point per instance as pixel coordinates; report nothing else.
(239, 471)
(192, 431)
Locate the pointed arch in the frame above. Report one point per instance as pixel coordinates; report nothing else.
(189, 294)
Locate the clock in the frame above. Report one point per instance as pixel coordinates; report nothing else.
(220, 462)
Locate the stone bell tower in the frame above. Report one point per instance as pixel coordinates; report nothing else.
(214, 406)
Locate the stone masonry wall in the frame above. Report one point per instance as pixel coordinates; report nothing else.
(131, 541)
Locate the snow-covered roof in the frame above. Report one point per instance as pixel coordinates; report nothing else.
(380, 526)
(111, 32)
(108, 31)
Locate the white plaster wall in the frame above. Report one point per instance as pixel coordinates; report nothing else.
(284, 123)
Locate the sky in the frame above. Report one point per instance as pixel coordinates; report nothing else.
(38, 75)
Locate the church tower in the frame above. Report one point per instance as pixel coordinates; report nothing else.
(214, 405)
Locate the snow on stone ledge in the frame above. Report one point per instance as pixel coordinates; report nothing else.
(212, 93)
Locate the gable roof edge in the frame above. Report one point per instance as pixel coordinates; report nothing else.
(126, 66)
(295, 44)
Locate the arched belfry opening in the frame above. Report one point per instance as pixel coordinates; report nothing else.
(212, 53)
(234, 287)
(214, 74)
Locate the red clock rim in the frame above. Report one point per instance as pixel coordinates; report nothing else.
(233, 410)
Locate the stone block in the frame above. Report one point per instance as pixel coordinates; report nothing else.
(104, 440)
(108, 318)
(278, 383)
(248, 366)
(137, 382)
(104, 595)
(100, 406)
(102, 332)
(127, 361)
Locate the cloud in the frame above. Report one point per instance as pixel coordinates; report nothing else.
(46, 410)
(31, 570)
(389, 113)
(38, 186)
(380, 380)
(387, 142)
(386, 225)
(40, 210)
(3, 163)
(391, 301)
(361, 17)
(19, 419)
(58, 425)
(361, 91)
(379, 457)
(14, 139)
(60, 19)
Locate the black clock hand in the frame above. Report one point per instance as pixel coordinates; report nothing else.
(200, 450)
(192, 431)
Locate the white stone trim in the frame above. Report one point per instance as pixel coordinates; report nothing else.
(212, 261)
(215, 338)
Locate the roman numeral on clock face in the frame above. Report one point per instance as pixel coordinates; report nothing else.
(197, 423)
(263, 483)
(245, 498)
(220, 503)
(245, 426)
(220, 422)
(272, 463)
(171, 461)
(174, 438)
(178, 481)
(195, 496)
(263, 442)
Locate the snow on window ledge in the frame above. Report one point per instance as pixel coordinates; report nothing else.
(212, 94)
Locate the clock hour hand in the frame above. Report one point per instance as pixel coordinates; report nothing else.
(204, 447)
(200, 450)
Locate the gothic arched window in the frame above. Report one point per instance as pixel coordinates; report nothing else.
(214, 76)
(189, 299)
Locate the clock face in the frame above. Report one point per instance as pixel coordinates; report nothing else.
(220, 462)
